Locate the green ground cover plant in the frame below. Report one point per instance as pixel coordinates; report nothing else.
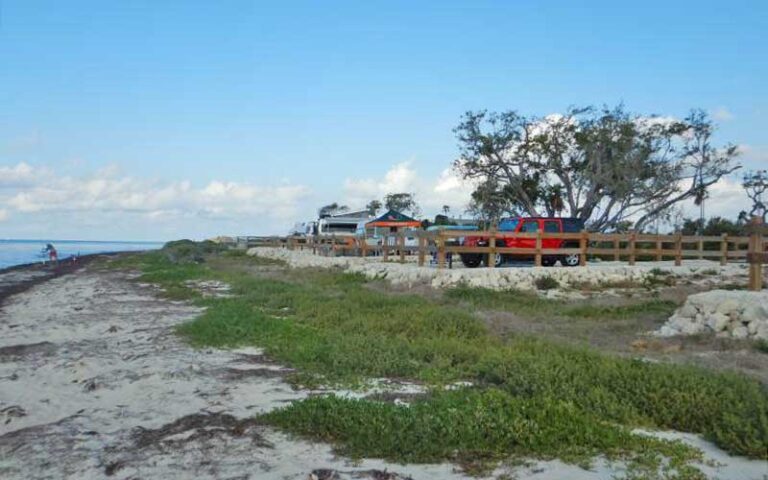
(471, 424)
(528, 303)
(334, 329)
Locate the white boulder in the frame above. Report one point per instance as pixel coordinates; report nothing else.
(733, 313)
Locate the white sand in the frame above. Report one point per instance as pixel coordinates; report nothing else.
(89, 361)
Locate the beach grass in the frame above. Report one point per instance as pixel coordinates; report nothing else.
(336, 330)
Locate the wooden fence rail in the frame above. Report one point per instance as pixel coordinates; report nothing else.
(444, 245)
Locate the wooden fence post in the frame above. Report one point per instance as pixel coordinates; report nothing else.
(363, 246)
(756, 254)
(401, 241)
(679, 249)
(491, 263)
(583, 243)
(385, 247)
(700, 247)
(724, 249)
(537, 258)
(659, 246)
(632, 247)
(422, 249)
(440, 250)
(616, 253)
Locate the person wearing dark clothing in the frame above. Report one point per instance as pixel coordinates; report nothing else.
(53, 255)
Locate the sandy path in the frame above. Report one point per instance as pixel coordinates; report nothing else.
(94, 384)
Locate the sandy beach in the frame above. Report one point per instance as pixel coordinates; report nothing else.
(94, 383)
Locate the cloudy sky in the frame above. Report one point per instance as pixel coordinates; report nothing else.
(159, 120)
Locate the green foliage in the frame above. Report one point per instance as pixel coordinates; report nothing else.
(335, 329)
(658, 277)
(467, 425)
(188, 251)
(373, 207)
(402, 202)
(715, 226)
(526, 303)
(546, 283)
(761, 345)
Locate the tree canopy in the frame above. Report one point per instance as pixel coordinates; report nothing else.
(331, 209)
(373, 207)
(402, 202)
(756, 185)
(605, 166)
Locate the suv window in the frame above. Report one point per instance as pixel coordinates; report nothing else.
(572, 225)
(552, 226)
(530, 226)
(508, 224)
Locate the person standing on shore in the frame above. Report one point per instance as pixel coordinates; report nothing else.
(53, 255)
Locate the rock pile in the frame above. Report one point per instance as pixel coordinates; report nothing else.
(598, 275)
(727, 313)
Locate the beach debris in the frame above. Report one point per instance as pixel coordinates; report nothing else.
(198, 426)
(372, 474)
(11, 412)
(113, 467)
(90, 385)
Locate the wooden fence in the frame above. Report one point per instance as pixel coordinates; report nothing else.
(444, 245)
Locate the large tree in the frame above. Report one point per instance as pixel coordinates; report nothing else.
(402, 202)
(490, 202)
(373, 207)
(605, 166)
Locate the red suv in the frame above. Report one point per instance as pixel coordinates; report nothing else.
(528, 225)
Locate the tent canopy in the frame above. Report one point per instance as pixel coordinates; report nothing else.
(393, 219)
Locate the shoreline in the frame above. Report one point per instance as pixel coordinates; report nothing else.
(87, 257)
(38, 273)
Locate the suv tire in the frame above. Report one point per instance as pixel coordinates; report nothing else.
(571, 260)
(471, 260)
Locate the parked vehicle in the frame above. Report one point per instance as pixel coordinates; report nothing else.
(343, 224)
(451, 241)
(528, 225)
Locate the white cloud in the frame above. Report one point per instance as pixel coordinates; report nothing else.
(18, 175)
(721, 114)
(3, 214)
(108, 197)
(753, 157)
(431, 193)
(726, 199)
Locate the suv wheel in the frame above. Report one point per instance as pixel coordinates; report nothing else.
(571, 260)
(471, 260)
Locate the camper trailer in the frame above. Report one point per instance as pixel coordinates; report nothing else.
(342, 224)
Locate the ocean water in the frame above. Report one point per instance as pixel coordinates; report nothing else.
(19, 252)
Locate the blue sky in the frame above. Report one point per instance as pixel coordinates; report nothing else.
(156, 120)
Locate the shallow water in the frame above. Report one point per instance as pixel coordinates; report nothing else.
(19, 252)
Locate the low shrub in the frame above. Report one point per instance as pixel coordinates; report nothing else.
(466, 425)
(546, 283)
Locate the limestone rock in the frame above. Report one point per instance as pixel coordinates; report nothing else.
(717, 321)
(740, 332)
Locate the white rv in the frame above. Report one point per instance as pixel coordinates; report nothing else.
(342, 224)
